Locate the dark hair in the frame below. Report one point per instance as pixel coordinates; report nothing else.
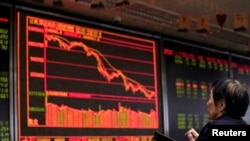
(234, 93)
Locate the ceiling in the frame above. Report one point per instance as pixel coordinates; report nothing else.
(163, 16)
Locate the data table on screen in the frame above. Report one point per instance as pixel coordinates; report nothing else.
(4, 73)
(241, 71)
(190, 70)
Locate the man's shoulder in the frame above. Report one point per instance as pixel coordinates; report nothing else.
(228, 121)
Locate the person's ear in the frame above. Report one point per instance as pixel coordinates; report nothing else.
(222, 105)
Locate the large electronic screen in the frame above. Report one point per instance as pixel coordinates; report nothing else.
(4, 73)
(189, 72)
(241, 71)
(79, 83)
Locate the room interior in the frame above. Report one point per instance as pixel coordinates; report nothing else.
(210, 23)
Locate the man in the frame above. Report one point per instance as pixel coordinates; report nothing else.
(228, 102)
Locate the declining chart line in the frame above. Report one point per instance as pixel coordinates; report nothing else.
(129, 83)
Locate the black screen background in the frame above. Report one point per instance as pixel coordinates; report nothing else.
(4, 73)
(192, 108)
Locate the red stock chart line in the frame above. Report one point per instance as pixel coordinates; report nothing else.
(78, 77)
(109, 72)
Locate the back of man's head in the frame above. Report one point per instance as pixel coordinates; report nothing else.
(234, 93)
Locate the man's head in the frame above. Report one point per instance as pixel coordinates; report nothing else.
(227, 96)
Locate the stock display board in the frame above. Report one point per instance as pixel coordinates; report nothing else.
(77, 83)
(189, 73)
(4, 73)
(241, 71)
